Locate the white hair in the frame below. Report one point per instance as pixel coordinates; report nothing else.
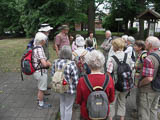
(125, 37)
(154, 41)
(109, 32)
(39, 37)
(95, 60)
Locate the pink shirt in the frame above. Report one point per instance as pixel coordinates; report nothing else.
(61, 40)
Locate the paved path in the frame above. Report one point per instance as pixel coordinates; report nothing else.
(18, 100)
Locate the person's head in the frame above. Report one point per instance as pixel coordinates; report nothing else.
(108, 34)
(130, 40)
(91, 35)
(40, 38)
(64, 29)
(152, 42)
(89, 43)
(65, 53)
(80, 41)
(139, 46)
(118, 44)
(125, 37)
(78, 35)
(45, 28)
(95, 60)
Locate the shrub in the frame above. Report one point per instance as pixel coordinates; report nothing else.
(132, 31)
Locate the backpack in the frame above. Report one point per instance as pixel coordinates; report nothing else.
(58, 80)
(26, 62)
(155, 84)
(30, 44)
(82, 66)
(141, 57)
(97, 101)
(124, 75)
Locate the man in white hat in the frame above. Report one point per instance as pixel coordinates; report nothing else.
(45, 28)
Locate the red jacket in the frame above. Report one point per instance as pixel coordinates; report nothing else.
(83, 91)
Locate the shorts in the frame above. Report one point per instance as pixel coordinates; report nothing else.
(42, 80)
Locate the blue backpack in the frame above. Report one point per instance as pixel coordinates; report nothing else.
(30, 44)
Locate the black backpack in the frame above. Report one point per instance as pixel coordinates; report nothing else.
(124, 74)
(155, 84)
(97, 101)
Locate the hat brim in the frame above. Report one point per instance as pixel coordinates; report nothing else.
(45, 29)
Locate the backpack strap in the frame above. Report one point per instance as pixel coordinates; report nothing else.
(125, 58)
(156, 56)
(83, 54)
(75, 54)
(88, 83)
(90, 87)
(116, 59)
(106, 82)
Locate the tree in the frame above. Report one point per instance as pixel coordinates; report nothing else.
(54, 12)
(91, 16)
(9, 17)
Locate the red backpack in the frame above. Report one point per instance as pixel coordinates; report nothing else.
(26, 62)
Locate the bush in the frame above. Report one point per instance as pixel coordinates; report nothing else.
(132, 31)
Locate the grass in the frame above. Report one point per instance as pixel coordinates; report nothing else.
(11, 51)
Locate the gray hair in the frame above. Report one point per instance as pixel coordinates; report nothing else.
(131, 39)
(39, 37)
(154, 41)
(109, 32)
(95, 60)
(65, 52)
(125, 37)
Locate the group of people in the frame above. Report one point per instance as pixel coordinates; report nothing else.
(97, 66)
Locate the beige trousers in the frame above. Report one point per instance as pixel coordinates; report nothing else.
(119, 104)
(148, 106)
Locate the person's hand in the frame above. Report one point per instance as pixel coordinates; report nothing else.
(71, 38)
(49, 64)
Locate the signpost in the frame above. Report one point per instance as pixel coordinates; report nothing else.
(118, 20)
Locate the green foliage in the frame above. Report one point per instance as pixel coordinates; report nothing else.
(55, 12)
(126, 9)
(9, 17)
(132, 31)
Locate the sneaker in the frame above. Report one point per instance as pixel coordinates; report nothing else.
(46, 93)
(45, 106)
(134, 114)
(44, 99)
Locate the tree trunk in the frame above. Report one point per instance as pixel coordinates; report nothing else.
(141, 29)
(141, 22)
(131, 25)
(126, 26)
(91, 16)
(82, 26)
